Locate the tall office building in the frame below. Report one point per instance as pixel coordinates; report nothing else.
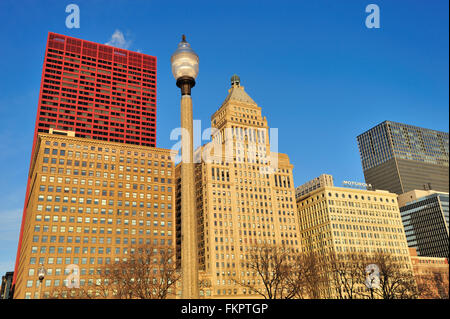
(340, 220)
(400, 157)
(426, 218)
(244, 198)
(91, 204)
(96, 91)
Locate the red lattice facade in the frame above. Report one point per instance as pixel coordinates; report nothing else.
(98, 91)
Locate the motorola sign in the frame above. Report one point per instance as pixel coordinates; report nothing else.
(356, 184)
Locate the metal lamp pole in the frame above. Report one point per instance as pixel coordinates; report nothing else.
(41, 276)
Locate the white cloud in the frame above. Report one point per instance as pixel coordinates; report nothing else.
(118, 40)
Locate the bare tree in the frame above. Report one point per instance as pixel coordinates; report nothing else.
(425, 287)
(148, 273)
(278, 273)
(303, 277)
(313, 276)
(433, 286)
(395, 280)
(272, 274)
(347, 274)
(440, 280)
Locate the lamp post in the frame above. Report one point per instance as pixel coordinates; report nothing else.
(185, 69)
(41, 276)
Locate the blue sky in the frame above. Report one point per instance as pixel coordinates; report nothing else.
(320, 76)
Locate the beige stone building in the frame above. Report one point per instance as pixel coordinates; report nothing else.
(342, 220)
(245, 197)
(91, 204)
(321, 181)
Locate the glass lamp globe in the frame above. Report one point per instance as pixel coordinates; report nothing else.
(184, 61)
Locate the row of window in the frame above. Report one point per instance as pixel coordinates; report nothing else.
(106, 150)
(93, 240)
(89, 191)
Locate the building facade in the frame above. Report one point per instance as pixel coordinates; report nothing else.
(245, 197)
(400, 157)
(432, 275)
(426, 222)
(91, 204)
(338, 220)
(97, 92)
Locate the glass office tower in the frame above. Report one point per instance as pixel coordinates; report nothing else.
(400, 157)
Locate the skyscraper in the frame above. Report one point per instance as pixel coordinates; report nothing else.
(426, 222)
(244, 199)
(400, 157)
(92, 203)
(95, 91)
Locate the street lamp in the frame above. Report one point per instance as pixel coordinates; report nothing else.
(185, 66)
(185, 69)
(41, 276)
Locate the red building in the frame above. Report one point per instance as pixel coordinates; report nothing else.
(98, 92)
